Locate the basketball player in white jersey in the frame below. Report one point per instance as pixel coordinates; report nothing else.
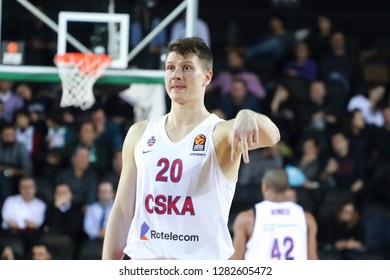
(179, 171)
(277, 228)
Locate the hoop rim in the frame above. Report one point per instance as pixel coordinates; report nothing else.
(72, 57)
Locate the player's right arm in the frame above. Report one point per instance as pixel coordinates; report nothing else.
(122, 212)
(242, 231)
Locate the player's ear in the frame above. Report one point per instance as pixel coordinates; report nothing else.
(207, 77)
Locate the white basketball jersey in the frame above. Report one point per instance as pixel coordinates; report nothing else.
(279, 232)
(183, 198)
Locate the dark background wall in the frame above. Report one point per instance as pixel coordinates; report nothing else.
(233, 22)
(361, 18)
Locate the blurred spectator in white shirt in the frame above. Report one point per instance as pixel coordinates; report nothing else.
(96, 215)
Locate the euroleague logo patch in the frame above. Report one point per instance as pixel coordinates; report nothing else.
(199, 143)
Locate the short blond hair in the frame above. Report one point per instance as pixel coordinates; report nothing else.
(187, 47)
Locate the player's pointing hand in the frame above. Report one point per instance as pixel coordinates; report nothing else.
(245, 134)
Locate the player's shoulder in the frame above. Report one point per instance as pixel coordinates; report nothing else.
(222, 129)
(139, 125)
(246, 216)
(244, 221)
(136, 130)
(223, 124)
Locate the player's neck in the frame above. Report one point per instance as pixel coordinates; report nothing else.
(273, 197)
(179, 124)
(180, 116)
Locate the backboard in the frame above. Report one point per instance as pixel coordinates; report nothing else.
(111, 35)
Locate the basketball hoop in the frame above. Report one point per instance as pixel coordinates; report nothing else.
(78, 73)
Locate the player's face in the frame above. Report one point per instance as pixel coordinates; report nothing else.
(185, 79)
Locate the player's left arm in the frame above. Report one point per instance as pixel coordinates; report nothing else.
(311, 236)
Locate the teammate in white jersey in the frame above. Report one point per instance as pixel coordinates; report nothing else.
(277, 228)
(179, 171)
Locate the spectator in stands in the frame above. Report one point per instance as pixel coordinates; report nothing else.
(95, 222)
(279, 42)
(23, 214)
(239, 98)
(369, 104)
(202, 30)
(283, 112)
(307, 165)
(356, 130)
(41, 251)
(114, 174)
(96, 214)
(222, 83)
(379, 155)
(318, 39)
(310, 162)
(338, 64)
(143, 20)
(69, 120)
(2, 121)
(27, 134)
(302, 66)
(122, 112)
(58, 136)
(343, 232)
(11, 101)
(316, 114)
(108, 132)
(344, 170)
(80, 177)
(64, 216)
(15, 161)
(38, 101)
(99, 154)
(6, 252)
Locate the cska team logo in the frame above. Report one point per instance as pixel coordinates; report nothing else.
(151, 141)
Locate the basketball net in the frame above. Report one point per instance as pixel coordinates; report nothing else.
(78, 73)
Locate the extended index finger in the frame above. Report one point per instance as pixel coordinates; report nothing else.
(244, 148)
